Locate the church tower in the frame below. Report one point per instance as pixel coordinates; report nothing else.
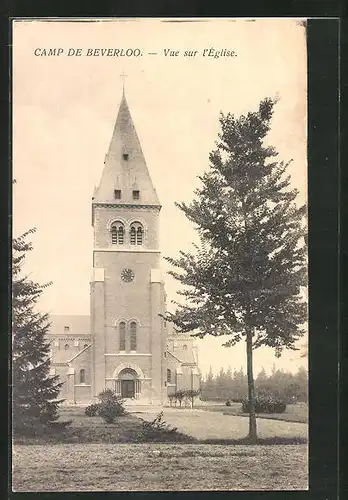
(127, 290)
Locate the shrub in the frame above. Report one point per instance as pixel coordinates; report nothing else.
(180, 396)
(185, 396)
(237, 400)
(157, 430)
(92, 410)
(228, 403)
(265, 405)
(171, 398)
(190, 394)
(110, 406)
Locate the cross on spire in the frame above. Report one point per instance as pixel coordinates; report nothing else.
(123, 76)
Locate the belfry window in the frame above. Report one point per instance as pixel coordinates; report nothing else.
(125, 156)
(117, 194)
(122, 336)
(117, 233)
(136, 194)
(82, 376)
(139, 236)
(133, 336)
(133, 235)
(169, 376)
(120, 235)
(136, 234)
(113, 235)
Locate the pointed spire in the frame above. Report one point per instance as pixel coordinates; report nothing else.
(123, 76)
(125, 168)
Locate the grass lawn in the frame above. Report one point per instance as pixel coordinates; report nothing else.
(212, 427)
(93, 456)
(85, 429)
(293, 413)
(139, 467)
(195, 425)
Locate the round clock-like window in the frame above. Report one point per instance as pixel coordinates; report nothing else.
(127, 275)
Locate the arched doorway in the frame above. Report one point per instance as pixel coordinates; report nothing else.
(128, 384)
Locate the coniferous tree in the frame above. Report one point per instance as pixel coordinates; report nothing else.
(262, 381)
(209, 388)
(240, 384)
(220, 382)
(229, 383)
(210, 375)
(34, 394)
(301, 379)
(244, 279)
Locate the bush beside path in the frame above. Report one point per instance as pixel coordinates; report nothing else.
(293, 413)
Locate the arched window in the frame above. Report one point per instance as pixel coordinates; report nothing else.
(114, 235)
(169, 376)
(66, 347)
(117, 233)
(133, 234)
(82, 376)
(136, 234)
(120, 235)
(133, 336)
(122, 332)
(184, 347)
(139, 236)
(85, 345)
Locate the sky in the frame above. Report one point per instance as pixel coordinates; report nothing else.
(65, 106)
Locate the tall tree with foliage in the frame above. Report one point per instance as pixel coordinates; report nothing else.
(210, 384)
(244, 279)
(35, 404)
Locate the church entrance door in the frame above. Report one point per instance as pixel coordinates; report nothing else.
(127, 388)
(128, 385)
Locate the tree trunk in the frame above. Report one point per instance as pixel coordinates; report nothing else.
(251, 389)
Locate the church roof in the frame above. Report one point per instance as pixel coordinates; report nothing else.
(78, 324)
(185, 356)
(125, 167)
(173, 355)
(78, 354)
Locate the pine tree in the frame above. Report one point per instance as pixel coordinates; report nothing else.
(209, 388)
(229, 376)
(244, 279)
(220, 384)
(210, 375)
(301, 378)
(34, 391)
(240, 384)
(262, 381)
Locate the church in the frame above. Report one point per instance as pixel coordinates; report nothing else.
(124, 344)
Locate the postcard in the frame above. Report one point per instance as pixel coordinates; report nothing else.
(160, 258)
